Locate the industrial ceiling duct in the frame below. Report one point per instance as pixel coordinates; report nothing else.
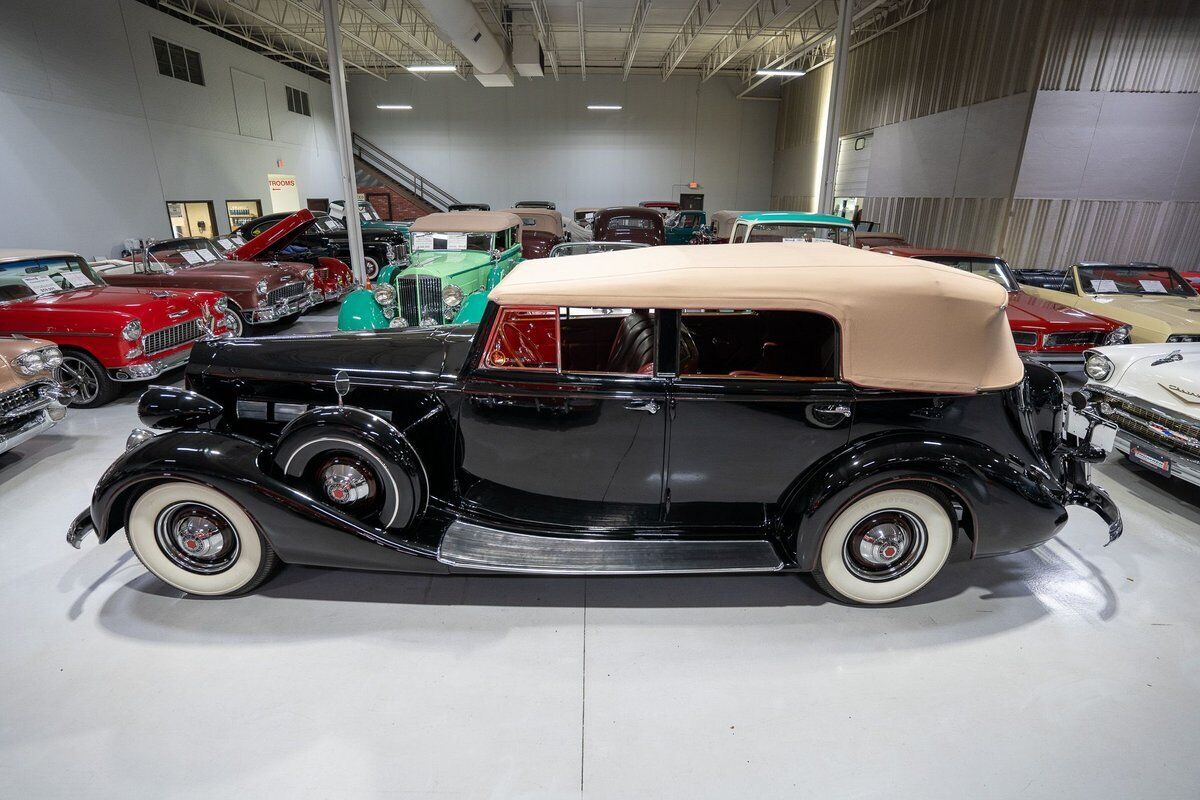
(461, 24)
(527, 54)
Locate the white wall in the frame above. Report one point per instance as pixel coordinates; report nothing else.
(93, 140)
(538, 141)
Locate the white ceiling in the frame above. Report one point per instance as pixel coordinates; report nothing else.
(660, 37)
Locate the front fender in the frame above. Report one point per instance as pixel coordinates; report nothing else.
(1008, 506)
(472, 309)
(299, 527)
(360, 312)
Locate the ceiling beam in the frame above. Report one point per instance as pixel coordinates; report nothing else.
(280, 24)
(220, 20)
(640, 12)
(692, 26)
(403, 21)
(754, 23)
(545, 36)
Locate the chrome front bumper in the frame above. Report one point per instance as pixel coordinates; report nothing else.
(1182, 466)
(338, 294)
(152, 368)
(284, 308)
(49, 409)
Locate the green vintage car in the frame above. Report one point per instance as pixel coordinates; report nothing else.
(792, 226)
(368, 217)
(456, 258)
(682, 225)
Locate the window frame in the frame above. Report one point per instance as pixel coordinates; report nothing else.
(724, 378)
(192, 60)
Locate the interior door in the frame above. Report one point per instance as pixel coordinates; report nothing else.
(552, 447)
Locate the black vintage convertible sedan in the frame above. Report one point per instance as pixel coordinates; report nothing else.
(734, 408)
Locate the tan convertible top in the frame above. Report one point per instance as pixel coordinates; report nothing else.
(905, 324)
(466, 222)
(546, 220)
(722, 222)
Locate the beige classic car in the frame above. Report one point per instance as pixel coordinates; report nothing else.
(1155, 301)
(31, 400)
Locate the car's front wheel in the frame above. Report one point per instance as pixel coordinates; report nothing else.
(93, 387)
(233, 322)
(885, 546)
(371, 267)
(198, 540)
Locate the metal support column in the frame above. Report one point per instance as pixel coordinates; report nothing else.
(341, 123)
(833, 119)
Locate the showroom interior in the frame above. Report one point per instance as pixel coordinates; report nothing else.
(406, 398)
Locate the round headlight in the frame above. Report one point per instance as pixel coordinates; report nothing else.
(222, 304)
(309, 275)
(398, 322)
(261, 286)
(1097, 366)
(52, 357)
(29, 363)
(452, 296)
(132, 330)
(385, 294)
(1118, 336)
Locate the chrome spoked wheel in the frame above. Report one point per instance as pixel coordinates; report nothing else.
(83, 377)
(371, 267)
(197, 538)
(885, 545)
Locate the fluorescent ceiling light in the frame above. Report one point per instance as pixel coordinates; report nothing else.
(394, 108)
(432, 68)
(781, 73)
(604, 108)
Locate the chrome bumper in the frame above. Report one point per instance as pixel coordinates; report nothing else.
(284, 308)
(152, 368)
(1182, 466)
(1059, 362)
(1089, 439)
(338, 294)
(81, 526)
(30, 429)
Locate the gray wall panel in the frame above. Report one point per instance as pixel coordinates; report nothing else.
(1138, 147)
(917, 158)
(1056, 149)
(991, 147)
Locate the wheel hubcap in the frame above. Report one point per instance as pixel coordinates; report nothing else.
(197, 538)
(346, 480)
(885, 545)
(233, 323)
(81, 375)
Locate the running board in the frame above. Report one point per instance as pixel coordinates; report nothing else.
(468, 545)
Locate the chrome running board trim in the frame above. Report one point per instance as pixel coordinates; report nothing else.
(469, 545)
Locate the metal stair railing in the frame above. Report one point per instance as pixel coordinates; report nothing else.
(402, 174)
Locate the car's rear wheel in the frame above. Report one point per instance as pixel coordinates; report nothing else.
(93, 386)
(198, 540)
(885, 546)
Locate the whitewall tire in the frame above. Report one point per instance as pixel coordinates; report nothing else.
(198, 540)
(884, 547)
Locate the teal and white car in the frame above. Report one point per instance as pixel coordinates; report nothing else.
(455, 260)
(792, 226)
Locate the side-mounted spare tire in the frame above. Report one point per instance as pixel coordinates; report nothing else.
(357, 462)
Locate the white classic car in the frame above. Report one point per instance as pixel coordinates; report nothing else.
(1152, 393)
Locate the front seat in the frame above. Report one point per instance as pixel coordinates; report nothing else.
(633, 347)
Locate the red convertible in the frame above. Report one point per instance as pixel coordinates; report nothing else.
(332, 278)
(107, 334)
(1050, 332)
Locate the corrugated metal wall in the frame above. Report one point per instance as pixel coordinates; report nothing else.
(1124, 46)
(958, 53)
(969, 222)
(1058, 233)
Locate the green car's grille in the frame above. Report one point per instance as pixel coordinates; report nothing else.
(419, 297)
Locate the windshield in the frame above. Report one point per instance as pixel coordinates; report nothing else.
(1133, 280)
(368, 212)
(800, 232)
(328, 225)
(182, 254)
(682, 219)
(36, 277)
(993, 268)
(425, 240)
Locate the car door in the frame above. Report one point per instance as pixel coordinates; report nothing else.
(755, 404)
(566, 432)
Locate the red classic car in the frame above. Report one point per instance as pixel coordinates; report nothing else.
(661, 206)
(1054, 334)
(258, 293)
(541, 230)
(332, 279)
(629, 224)
(107, 334)
(1193, 278)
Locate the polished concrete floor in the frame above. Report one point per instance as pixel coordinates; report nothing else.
(1070, 671)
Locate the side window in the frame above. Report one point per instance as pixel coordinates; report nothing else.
(739, 233)
(748, 344)
(572, 340)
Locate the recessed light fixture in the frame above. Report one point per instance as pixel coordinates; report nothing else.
(604, 108)
(394, 108)
(781, 73)
(432, 68)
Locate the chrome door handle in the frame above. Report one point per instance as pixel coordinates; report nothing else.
(834, 408)
(649, 406)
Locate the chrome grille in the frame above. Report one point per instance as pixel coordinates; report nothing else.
(171, 337)
(1025, 338)
(1142, 420)
(1072, 339)
(29, 393)
(420, 297)
(286, 293)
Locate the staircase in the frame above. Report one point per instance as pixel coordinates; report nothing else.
(375, 168)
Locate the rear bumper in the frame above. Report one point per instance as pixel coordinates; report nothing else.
(1097, 500)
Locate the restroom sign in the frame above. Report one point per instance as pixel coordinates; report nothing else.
(285, 196)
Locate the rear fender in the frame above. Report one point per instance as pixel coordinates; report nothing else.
(1007, 506)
